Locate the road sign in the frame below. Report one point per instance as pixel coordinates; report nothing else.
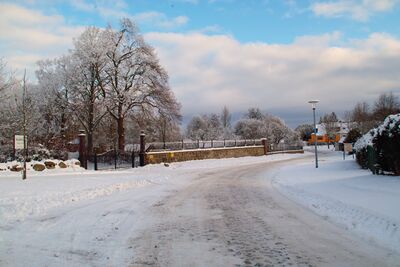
(19, 141)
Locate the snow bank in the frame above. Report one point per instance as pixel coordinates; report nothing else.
(342, 193)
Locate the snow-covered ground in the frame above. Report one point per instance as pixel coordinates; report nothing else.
(75, 217)
(346, 195)
(60, 216)
(45, 190)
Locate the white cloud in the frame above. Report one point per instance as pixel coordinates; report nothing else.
(28, 35)
(359, 10)
(208, 72)
(211, 29)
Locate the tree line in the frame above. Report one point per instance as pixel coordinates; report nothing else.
(110, 84)
(253, 125)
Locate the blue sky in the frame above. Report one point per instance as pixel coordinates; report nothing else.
(271, 21)
(268, 53)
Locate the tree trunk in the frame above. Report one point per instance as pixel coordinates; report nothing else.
(89, 148)
(63, 130)
(121, 134)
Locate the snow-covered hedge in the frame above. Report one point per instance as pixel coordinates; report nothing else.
(385, 141)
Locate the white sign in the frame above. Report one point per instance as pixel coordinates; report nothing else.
(19, 141)
(348, 147)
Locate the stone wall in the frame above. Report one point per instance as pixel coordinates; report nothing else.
(214, 153)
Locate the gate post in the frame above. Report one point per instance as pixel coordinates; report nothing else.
(95, 159)
(82, 149)
(115, 158)
(264, 143)
(142, 152)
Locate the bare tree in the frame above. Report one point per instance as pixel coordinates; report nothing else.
(250, 128)
(197, 128)
(254, 113)
(6, 112)
(88, 61)
(385, 105)
(257, 125)
(226, 118)
(226, 123)
(7, 80)
(205, 127)
(55, 82)
(276, 129)
(304, 131)
(135, 81)
(330, 121)
(361, 117)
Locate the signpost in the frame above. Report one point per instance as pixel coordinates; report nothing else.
(19, 142)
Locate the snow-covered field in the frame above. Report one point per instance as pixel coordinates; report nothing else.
(346, 195)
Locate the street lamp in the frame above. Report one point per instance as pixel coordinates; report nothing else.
(314, 104)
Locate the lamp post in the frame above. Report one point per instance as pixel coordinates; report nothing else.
(314, 104)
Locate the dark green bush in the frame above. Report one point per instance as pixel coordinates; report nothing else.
(379, 150)
(387, 147)
(362, 158)
(352, 136)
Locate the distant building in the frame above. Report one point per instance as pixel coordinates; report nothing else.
(341, 130)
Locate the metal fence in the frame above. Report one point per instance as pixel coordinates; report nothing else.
(285, 147)
(114, 159)
(200, 144)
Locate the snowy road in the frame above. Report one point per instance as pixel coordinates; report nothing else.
(209, 213)
(235, 217)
